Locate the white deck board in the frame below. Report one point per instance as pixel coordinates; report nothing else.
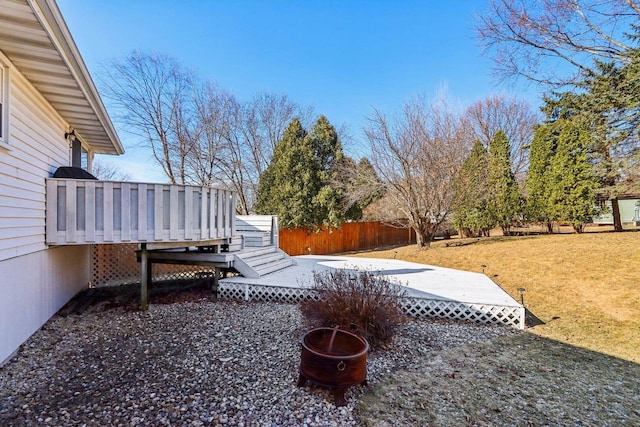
(421, 280)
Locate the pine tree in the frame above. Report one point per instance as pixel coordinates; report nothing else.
(574, 186)
(296, 184)
(609, 103)
(327, 147)
(327, 150)
(504, 201)
(539, 183)
(291, 181)
(471, 216)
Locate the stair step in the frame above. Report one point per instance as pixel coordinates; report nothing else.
(252, 253)
(256, 262)
(274, 266)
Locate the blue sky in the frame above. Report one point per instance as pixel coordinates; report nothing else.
(341, 57)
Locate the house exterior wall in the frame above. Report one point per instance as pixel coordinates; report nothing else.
(36, 281)
(627, 212)
(36, 148)
(34, 287)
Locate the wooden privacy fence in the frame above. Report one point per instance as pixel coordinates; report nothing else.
(351, 236)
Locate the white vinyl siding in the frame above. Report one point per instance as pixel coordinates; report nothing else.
(37, 149)
(34, 287)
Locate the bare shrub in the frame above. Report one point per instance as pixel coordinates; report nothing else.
(360, 301)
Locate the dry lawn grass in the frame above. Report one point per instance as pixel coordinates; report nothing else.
(585, 288)
(586, 291)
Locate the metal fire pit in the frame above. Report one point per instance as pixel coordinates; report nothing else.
(335, 359)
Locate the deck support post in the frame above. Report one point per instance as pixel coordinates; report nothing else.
(216, 277)
(145, 276)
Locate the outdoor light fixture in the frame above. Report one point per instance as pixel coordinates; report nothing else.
(71, 135)
(521, 292)
(483, 267)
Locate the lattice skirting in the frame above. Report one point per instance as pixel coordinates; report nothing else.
(415, 307)
(241, 291)
(117, 265)
(478, 313)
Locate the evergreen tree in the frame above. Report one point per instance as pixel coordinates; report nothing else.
(327, 150)
(367, 183)
(296, 184)
(504, 202)
(471, 216)
(291, 181)
(573, 191)
(609, 105)
(327, 147)
(539, 183)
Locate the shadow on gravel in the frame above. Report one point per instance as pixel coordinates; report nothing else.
(518, 380)
(128, 296)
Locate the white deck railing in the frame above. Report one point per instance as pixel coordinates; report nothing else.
(89, 211)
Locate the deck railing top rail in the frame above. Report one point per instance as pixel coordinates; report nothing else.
(89, 211)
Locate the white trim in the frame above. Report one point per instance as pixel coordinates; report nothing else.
(5, 97)
(52, 21)
(32, 94)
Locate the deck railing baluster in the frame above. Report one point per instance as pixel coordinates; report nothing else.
(88, 211)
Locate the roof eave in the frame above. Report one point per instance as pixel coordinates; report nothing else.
(51, 19)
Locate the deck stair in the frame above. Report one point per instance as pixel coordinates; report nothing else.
(258, 262)
(257, 230)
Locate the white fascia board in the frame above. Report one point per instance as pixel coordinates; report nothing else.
(51, 19)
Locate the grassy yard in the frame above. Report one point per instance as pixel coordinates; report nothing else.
(584, 288)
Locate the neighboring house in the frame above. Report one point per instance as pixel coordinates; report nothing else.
(50, 116)
(629, 205)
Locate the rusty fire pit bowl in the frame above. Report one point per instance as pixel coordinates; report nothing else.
(335, 359)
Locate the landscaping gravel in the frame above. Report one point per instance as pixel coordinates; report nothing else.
(194, 363)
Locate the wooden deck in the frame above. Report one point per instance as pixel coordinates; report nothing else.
(172, 224)
(430, 291)
(92, 212)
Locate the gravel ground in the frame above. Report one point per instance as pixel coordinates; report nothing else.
(195, 363)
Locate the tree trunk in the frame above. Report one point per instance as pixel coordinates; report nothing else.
(550, 227)
(615, 210)
(423, 237)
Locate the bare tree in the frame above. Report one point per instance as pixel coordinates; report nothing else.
(514, 117)
(538, 39)
(197, 132)
(107, 171)
(150, 93)
(264, 119)
(257, 127)
(215, 115)
(417, 155)
(566, 43)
